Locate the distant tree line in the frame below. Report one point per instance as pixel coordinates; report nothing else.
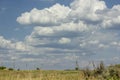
(5, 68)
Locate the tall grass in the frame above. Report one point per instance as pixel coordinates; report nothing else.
(100, 72)
(39, 75)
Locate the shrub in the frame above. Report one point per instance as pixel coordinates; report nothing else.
(37, 68)
(11, 69)
(2, 67)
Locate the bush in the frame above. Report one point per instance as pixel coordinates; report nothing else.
(11, 69)
(2, 67)
(99, 69)
(37, 68)
(76, 68)
(18, 69)
(87, 72)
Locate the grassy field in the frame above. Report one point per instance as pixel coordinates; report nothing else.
(99, 73)
(39, 75)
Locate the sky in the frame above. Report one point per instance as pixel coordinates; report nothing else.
(53, 34)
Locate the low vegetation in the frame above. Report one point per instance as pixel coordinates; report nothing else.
(99, 72)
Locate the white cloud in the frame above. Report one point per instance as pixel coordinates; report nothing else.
(82, 44)
(93, 42)
(21, 46)
(83, 54)
(86, 9)
(77, 12)
(111, 17)
(114, 43)
(17, 46)
(34, 40)
(74, 18)
(103, 46)
(81, 29)
(64, 40)
(48, 16)
(14, 58)
(5, 43)
(50, 36)
(43, 30)
(75, 27)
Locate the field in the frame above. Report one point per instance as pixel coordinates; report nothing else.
(100, 73)
(39, 75)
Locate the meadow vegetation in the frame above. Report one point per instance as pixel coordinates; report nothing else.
(98, 73)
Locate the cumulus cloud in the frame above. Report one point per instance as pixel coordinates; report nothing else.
(89, 12)
(84, 19)
(43, 30)
(49, 16)
(82, 29)
(5, 43)
(68, 27)
(10, 45)
(86, 9)
(110, 17)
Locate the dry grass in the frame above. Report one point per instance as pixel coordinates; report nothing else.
(99, 73)
(40, 75)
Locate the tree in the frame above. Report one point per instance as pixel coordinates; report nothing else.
(2, 67)
(11, 69)
(37, 68)
(77, 66)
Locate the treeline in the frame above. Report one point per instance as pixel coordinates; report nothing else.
(5, 68)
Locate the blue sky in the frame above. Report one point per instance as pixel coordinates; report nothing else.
(53, 34)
